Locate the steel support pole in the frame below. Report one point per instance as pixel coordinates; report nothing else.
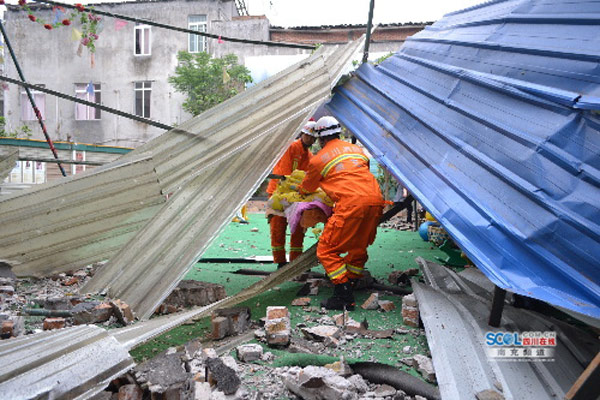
(31, 99)
(497, 307)
(369, 27)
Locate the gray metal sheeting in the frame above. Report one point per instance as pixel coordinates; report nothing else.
(73, 363)
(212, 172)
(8, 158)
(455, 311)
(76, 221)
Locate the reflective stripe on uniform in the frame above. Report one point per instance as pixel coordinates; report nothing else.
(355, 270)
(277, 248)
(338, 272)
(341, 158)
(296, 249)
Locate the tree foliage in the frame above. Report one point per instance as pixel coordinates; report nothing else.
(208, 81)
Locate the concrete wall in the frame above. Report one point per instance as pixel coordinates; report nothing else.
(50, 58)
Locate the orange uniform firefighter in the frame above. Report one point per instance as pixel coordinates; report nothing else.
(296, 156)
(341, 169)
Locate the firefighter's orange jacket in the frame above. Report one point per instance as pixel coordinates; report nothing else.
(342, 171)
(295, 157)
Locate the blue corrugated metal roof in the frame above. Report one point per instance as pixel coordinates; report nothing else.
(488, 118)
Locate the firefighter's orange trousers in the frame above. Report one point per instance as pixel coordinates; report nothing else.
(351, 229)
(278, 228)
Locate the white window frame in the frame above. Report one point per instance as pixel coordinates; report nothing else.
(146, 90)
(143, 46)
(37, 96)
(90, 112)
(200, 42)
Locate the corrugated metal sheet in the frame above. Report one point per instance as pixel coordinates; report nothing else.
(485, 117)
(455, 312)
(8, 158)
(212, 172)
(72, 222)
(72, 363)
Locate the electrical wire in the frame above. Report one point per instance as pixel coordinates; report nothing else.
(176, 28)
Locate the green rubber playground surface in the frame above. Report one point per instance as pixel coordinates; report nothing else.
(393, 250)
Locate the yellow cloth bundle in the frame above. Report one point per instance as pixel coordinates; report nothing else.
(287, 192)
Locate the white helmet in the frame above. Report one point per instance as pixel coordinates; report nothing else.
(309, 129)
(327, 125)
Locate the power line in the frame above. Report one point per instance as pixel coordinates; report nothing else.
(88, 103)
(176, 28)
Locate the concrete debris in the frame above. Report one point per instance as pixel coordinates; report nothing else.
(410, 311)
(57, 303)
(384, 391)
(407, 349)
(190, 293)
(202, 391)
(277, 326)
(249, 352)
(301, 301)
(402, 277)
(122, 311)
(424, 365)
(319, 383)
(409, 300)
(321, 333)
(268, 357)
(224, 377)
(340, 367)
(7, 290)
(359, 384)
(260, 335)
(229, 321)
(91, 313)
(165, 376)
(372, 303)
(387, 305)
(54, 323)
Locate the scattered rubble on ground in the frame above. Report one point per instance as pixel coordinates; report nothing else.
(194, 372)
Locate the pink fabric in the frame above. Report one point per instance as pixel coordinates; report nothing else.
(294, 212)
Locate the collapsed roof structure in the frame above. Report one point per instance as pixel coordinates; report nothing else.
(490, 118)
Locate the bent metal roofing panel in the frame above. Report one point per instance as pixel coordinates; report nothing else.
(490, 117)
(211, 166)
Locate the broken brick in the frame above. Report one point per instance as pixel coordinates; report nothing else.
(91, 313)
(190, 293)
(122, 311)
(7, 329)
(371, 303)
(301, 301)
(387, 305)
(277, 312)
(425, 367)
(410, 316)
(70, 282)
(53, 323)
(220, 328)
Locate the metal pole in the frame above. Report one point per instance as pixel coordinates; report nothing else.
(369, 26)
(31, 100)
(497, 307)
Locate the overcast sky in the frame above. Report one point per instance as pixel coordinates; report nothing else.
(289, 13)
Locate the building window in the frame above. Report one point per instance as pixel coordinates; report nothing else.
(197, 43)
(143, 39)
(90, 92)
(143, 90)
(27, 113)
